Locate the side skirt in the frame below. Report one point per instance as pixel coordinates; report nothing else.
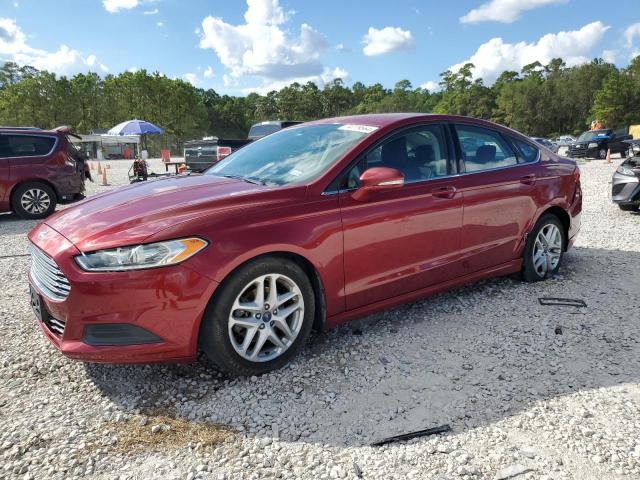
(497, 271)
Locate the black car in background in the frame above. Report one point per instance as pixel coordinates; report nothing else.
(201, 154)
(595, 143)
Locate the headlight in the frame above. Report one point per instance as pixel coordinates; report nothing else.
(624, 170)
(593, 145)
(137, 257)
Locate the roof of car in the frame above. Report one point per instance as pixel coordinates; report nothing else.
(382, 120)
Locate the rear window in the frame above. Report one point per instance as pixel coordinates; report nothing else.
(528, 152)
(25, 145)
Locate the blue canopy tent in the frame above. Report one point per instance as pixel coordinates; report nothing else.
(136, 127)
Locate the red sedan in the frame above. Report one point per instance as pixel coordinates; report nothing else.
(306, 228)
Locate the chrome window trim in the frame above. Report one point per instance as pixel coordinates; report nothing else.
(55, 143)
(454, 175)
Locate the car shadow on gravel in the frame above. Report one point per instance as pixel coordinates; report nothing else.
(11, 224)
(469, 358)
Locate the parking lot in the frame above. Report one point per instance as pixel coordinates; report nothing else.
(530, 391)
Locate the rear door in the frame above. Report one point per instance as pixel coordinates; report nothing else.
(408, 238)
(498, 183)
(4, 173)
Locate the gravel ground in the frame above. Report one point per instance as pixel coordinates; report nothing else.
(530, 392)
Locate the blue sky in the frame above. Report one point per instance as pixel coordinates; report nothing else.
(240, 46)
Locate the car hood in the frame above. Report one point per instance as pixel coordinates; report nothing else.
(132, 214)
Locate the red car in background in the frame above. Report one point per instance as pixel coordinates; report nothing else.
(306, 228)
(38, 169)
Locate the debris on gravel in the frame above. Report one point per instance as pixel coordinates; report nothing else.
(530, 391)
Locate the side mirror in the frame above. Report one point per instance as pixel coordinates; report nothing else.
(377, 179)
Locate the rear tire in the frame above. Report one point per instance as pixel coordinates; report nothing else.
(230, 336)
(544, 249)
(33, 200)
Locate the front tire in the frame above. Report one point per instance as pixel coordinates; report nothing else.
(260, 317)
(602, 154)
(544, 249)
(33, 200)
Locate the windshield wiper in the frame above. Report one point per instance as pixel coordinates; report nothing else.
(245, 179)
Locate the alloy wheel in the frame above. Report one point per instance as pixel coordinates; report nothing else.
(35, 201)
(547, 250)
(266, 317)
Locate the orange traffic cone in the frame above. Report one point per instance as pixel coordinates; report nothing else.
(609, 156)
(104, 177)
(99, 169)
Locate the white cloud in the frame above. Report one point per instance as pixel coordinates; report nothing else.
(386, 40)
(341, 47)
(192, 78)
(114, 6)
(631, 32)
(430, 85)
(573, 47)
(505, 11)
(208, 73)
(160, 24)
(327, 76)
(154, 11)
(64, 61)
(264, 46)
(609, 56)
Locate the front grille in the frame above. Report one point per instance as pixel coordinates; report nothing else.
(578, 150)
(47, 276)
(55, 325)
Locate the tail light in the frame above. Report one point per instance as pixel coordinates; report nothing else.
(577, 193)
(223, 152)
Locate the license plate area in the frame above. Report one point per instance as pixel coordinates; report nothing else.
(37, 305)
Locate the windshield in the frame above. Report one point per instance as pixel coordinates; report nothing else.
(591, 134)
(292, 156)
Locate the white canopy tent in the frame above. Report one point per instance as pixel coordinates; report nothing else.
(97, 146)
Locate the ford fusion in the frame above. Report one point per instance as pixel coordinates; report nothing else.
(306, 228)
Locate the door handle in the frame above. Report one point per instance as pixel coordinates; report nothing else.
(444, 192)
(528, 179)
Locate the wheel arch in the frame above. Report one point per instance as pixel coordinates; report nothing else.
(307, 267)
(33, 180)
(564, 218)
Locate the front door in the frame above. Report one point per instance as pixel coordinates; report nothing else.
(408, 238)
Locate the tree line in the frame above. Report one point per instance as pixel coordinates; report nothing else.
(540, 100)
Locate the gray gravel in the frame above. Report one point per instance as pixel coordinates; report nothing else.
(523, 401)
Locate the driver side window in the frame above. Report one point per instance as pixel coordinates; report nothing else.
(419, 153)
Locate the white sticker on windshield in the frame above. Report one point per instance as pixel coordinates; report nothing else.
(358, 128)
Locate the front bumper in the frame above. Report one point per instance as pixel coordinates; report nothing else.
(625, 189)
(581, 152)
(159, 310)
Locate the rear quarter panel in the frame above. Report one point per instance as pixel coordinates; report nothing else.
(556, 187)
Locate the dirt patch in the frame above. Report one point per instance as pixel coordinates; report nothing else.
(162, 431)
